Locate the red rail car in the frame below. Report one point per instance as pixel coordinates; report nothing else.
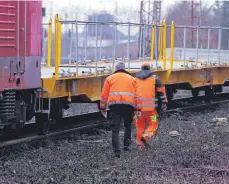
(20, 44)
(20, 58)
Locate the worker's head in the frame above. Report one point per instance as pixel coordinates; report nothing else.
(120, 66)
(145, 66)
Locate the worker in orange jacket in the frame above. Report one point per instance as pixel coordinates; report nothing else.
(151, 88)
(119, 94)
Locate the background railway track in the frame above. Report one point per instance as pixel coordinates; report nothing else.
(187, 101)
(197, 103)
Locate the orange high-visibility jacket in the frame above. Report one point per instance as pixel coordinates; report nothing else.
(151, 88)
(119, 88)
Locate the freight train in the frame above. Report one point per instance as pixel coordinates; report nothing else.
(27, 90)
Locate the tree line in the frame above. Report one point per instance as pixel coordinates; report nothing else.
(208, 15)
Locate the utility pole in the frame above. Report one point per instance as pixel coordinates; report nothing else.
(195, 16)
(50, 8)
(150, 11)
(116, 19)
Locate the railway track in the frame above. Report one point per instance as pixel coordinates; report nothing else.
(52, 134)
(199, 99)
(102, 121)
(65, 128)
(197, 107)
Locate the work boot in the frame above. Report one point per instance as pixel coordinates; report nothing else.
(117, 155)
(141, 147)
(126, 148)
(143, 139)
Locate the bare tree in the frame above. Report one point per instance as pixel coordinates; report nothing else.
(225, 23)
(180, 13)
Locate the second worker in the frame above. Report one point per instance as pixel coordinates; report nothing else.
(151, 88)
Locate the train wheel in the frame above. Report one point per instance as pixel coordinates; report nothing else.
(7, 132)
(169, 93)
(209, 94)
(57, 111)
(42, 123)
(170, 96)
(18, 131)
(20, 119)
(195, 92)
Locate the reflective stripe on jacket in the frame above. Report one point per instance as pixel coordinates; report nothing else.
(150, 87)
(119, 88)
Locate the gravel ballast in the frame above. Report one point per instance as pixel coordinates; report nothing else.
(198, 155)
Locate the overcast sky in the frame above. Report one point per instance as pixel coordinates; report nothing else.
(88, 6)
(98, 4)
(105, 4)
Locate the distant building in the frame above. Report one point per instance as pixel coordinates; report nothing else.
(107, 30)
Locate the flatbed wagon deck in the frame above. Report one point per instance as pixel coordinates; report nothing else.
(89, 83)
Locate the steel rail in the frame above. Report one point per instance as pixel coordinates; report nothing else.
(52, 134)
(210, 104)
(199, 97)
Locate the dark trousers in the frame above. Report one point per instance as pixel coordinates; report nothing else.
(118, 113)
